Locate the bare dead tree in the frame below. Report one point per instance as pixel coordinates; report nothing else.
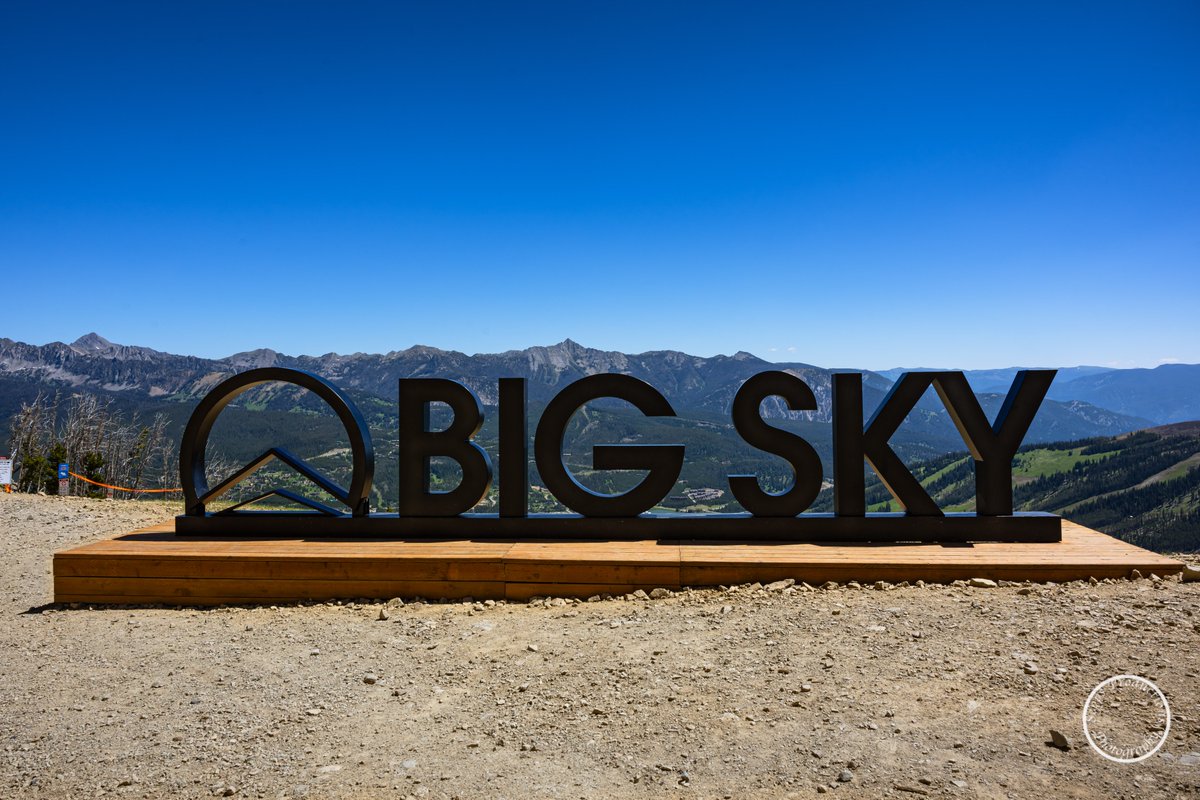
(95, 440)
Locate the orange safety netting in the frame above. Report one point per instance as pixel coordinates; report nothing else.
(119, 488)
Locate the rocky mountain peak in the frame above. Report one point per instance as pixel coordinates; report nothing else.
(93, 343)
(253, 359)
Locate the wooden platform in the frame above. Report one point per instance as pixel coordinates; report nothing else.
(156, 566)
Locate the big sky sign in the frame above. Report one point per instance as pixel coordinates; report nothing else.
(770, 515)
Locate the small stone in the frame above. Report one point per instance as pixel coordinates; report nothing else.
(1060, 741)
(594, 598)
(959, 783)
(1135, 574)
(1031, 669)
(383, 614)
(370, 679)
(779, 586)
(533, 648)
(1024, 590)
(726, 609)
(640, 594)
(982, 583)
(1190, 573)
(806, 687)
(829, 585)
(845, 776)
(660, 594)
(312, 712)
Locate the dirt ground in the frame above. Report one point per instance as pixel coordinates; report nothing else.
(905, 692)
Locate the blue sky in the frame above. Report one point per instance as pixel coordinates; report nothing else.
(852, 185)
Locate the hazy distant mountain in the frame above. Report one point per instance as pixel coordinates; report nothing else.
(998, 380)
(1169, 393)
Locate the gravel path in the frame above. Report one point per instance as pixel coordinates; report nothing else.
(908, 692)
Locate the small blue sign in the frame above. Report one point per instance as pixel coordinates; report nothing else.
(62, 471)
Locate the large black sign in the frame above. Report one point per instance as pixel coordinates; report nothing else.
(771, 516)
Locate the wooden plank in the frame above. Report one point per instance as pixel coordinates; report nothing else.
(817, 574)
(617, 563)
(566, 572)
(650, 551)
(124, 546)
(282, 569)
(151, 600)
(187, 590)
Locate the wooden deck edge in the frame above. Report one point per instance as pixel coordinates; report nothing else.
(187, 572)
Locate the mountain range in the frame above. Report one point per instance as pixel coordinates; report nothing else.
(143, 381)
(1108, 479)
(1102, 400)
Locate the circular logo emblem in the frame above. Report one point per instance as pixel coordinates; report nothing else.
(1126, 719)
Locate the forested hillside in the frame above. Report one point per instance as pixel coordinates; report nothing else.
(1143, 487)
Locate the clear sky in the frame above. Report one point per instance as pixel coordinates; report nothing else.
(854, 185)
